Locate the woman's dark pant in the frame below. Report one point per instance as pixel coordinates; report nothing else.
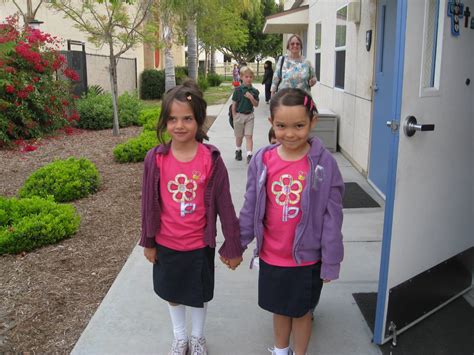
(267, 92)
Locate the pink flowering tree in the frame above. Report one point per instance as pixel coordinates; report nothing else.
(32, 100)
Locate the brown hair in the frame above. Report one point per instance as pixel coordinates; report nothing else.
(271, 135)
(293, 97)
(187, 92)
(298, 38)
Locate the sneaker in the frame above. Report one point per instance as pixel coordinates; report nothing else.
(272, 350)
(238, 155)
(179, 347)
(197, 346)
(249, 157)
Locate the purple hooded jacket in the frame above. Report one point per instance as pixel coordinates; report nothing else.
(318, 234)
(217, 200)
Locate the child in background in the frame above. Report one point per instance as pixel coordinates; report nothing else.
(293, 207)
(244, 99)
(185, 187)
(267, 80)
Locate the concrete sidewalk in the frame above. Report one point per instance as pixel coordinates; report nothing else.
(133, 320)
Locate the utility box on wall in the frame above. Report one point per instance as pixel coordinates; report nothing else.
(326, 129)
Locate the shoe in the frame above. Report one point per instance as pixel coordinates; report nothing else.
(179, 347)
(197, 346)
(249, 157)
(272, 350)
(238, 155)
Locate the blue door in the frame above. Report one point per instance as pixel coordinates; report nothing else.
(384, 98)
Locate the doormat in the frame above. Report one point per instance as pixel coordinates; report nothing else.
(356, 197)
(447, 331)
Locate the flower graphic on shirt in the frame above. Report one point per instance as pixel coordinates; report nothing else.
(182, 188)
(286, 190)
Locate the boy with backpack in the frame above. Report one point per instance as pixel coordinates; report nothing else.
(244, 99)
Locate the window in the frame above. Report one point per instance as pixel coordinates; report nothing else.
(317, 48)
(340, 67)
(432, 40)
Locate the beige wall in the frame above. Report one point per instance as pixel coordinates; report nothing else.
(354, 103)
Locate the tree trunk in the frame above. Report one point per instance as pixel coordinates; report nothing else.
(213, 60)
(206, 61)
(192, 48)
(114, 88)
(170, 76)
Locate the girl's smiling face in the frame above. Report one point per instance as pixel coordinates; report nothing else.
(292, 126)
(181, 124)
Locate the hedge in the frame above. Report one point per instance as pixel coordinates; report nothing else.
(65, 180)
(26, 224)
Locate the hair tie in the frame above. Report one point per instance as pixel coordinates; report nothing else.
(305, 101)
(189, 98)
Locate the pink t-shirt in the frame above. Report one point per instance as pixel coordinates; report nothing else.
(182, 187)
(285, 183)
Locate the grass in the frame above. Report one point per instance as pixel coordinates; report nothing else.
(150, 103)
(214, 95)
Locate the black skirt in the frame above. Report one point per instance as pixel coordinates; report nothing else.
(289, 291)
(184, 277)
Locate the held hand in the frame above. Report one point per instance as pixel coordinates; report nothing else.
(224, 260)
(235, 262)
(248, 95)
(150, 254)
(312, 81)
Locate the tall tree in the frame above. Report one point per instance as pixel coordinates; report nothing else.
(119, 24)
(266, 45)
(220, 25)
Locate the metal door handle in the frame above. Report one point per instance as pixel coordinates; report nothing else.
(410, 126)
(375, 87)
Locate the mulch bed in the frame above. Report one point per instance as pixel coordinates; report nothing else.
(49, 295)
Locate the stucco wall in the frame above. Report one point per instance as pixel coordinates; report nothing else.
(354, 103)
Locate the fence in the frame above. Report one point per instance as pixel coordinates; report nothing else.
(93, 69)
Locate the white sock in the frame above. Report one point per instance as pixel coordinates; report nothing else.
(198, 319)
(249, 153)
(178, 319)
(278, 351)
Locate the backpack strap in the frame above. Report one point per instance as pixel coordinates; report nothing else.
(280, 72)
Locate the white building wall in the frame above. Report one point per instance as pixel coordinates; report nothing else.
(56, 25)
(353, 104)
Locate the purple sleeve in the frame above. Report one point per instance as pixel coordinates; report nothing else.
(331, 244)
(147, 238)
(231, 247)
(247, 213)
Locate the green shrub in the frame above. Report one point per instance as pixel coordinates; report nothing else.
(129, 109)
(149, 117)
(181, 74)
(96, 111)
(203, 83)
(214, 79)
(26, 224)
(135, 149)
(95, 90)
(66, 180)
(152, 84)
